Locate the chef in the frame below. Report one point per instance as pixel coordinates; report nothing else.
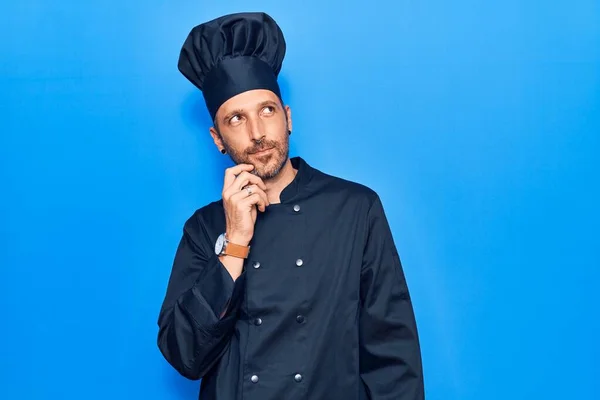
(289, 286)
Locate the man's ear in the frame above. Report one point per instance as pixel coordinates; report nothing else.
(288, 113)
(217, 139)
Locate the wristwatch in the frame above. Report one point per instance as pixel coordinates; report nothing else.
(224, 247)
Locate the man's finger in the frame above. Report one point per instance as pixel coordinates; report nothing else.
(232, 172)
(246, 178)
(253, 189)
(254, 199)
(261, 193)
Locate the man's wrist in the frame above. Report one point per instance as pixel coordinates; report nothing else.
(233, 265)
(237, 239)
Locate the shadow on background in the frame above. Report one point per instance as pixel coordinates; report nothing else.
(196, 116)
(181, 388)
(286, 95)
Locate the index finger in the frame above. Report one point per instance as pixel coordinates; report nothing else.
(231, 173)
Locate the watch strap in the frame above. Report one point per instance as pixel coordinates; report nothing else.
(236, 250)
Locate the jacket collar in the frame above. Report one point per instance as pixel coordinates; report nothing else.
(303, 176)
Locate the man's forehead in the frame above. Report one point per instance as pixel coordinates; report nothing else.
(249, 100)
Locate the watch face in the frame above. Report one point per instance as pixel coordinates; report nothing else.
(220, 244)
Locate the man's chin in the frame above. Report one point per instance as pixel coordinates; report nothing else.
(265, 173)
(266, 167)
(269, 170)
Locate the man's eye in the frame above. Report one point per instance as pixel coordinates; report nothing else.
(269, 109)
(234, 119)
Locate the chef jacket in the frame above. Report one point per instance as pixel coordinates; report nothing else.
(321, 310)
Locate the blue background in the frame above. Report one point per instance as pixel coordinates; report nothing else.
(478, 123)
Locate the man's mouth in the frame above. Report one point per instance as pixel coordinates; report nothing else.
(259, 152)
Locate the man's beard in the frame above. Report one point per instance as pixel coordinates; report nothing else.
(265, 167)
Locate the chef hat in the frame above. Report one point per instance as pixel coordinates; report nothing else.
(233, 54)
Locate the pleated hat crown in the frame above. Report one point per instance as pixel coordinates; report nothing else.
(233, 54)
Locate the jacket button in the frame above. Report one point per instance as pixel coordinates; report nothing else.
(256, 264)
(298, 377)
(257, 321)
(300, 319)
(254, 378)
(296, 207)
(299, 262)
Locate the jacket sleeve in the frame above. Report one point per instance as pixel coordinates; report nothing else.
(390, 356)
(199, 311)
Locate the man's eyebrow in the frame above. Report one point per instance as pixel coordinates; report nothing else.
(231, 114)
(240, 111)
(268, 103)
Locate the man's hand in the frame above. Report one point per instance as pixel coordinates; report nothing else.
(243, 196)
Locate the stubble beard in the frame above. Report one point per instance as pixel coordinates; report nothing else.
(265, 167)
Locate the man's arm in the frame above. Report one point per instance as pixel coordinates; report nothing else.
(390, 356)
(199, 311)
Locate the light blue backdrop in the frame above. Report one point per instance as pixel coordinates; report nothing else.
(477, 122)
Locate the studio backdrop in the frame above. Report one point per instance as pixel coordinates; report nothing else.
(478, 123)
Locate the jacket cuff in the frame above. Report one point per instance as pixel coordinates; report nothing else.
(218, 288)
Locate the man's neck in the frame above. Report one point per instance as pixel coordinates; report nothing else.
(276, 185)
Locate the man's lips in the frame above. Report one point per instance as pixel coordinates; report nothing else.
(262, 151)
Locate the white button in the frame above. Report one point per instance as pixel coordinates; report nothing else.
(254, 379)
(256, 264)
(299, 262)
(296, 208)
(298, 377)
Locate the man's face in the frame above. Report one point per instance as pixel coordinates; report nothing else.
(253, 127)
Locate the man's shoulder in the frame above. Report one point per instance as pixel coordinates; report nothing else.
(208, 214)
(210, 208)
(335, 184)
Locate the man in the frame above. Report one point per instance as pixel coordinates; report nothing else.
(289, 286)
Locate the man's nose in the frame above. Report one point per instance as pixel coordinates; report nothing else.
(256, 129)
